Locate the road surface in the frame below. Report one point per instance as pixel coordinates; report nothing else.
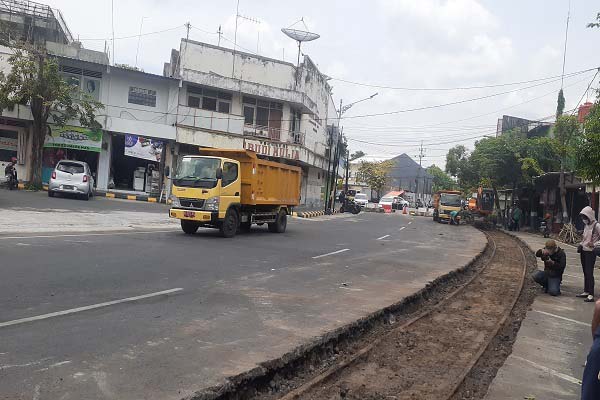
(159, 315)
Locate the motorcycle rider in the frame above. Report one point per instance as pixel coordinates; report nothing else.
(10, 173)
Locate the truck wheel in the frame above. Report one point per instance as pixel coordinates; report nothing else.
(189, 227)
(280, 224)
(230, 224)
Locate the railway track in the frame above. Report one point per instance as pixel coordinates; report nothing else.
(429, 356)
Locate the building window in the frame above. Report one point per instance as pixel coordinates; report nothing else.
(209, 99)
(262, 113)
(82, 86)
(142, 97)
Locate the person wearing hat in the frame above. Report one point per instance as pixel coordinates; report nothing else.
(555, 262)
(589, 240)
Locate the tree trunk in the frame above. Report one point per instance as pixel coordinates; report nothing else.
(563, 197)
(37, 148)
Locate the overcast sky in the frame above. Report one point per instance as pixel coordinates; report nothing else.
(393, 43)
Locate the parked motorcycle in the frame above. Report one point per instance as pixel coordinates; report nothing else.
(350, 206)
(11, 177)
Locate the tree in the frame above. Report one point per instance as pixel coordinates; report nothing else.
(356, 155)
(441, 180)
(375, 174)
(588, 156)
(595, 24)
(34, 79)
(460, 165)
(566, 132)
(560, 103)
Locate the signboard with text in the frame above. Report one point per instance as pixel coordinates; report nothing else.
(144, 148)
(74, 137)
(271, 149)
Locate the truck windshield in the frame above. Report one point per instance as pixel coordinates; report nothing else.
(197, 172)
(450, 200)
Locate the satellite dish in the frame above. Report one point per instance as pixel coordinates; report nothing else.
(299, 36)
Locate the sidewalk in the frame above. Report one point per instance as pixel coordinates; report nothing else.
(549, 355)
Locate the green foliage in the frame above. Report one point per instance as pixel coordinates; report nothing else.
(34, 79)
(560, 107)
(356, 155)
(505, 161)
(595, 24)
(375, 173)
(588, 156)
(567, 133)
(441, 180)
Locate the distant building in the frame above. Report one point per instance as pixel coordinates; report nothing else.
(583, 111)
(408, 175)
(527, 128)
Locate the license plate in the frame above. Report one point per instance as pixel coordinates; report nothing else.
(189, 214)
(67, 187)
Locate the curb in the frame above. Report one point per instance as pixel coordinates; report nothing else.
(113, 195)
(311, 214)
(125, 196)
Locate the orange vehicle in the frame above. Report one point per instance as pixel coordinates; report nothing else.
(482, 202)
(444, 202)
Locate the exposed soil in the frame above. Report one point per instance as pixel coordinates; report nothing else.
(427, 360)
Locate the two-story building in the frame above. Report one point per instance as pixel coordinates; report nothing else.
(238, 100)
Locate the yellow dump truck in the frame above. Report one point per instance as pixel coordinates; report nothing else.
(444, 202)
(231, 190)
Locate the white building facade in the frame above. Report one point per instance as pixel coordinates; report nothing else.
(237, 100)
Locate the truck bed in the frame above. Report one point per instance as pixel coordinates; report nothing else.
(263, 182)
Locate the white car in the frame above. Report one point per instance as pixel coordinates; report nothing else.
(361, 199)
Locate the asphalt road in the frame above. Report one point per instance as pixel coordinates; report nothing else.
(21, 199)
(233, 303)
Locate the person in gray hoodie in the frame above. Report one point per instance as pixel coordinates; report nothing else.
(591, 238)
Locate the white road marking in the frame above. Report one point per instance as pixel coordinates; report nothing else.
(547, 370)
(330, 254)
(383, 237)
(409, 222)
(58, 364)
(84, 234)
(563, 318)
(86, 308)
(403, 228)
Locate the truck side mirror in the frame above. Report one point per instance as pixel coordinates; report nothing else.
(219, 173)
(167, 171)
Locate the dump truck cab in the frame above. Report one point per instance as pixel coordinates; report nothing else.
(444, 202)
(204, 188)
(231, 190)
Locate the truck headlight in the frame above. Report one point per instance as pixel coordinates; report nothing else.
(175, 201)
(212, 204)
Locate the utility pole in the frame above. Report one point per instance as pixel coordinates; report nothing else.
(347, 168)
(421, 155)
(220, 33)
(187, 28)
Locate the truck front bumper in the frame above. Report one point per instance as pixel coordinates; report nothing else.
(202, 217)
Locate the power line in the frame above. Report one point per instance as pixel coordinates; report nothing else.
(553, 92)
(133, 36)
(450, 103)
(586, 90)
(457, 87)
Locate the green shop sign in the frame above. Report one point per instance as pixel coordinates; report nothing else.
(74, 137)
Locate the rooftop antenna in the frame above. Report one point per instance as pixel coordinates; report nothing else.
(562, 77)
(299, 36)
(237, 17)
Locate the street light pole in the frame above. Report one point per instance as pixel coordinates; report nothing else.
(331, 184)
